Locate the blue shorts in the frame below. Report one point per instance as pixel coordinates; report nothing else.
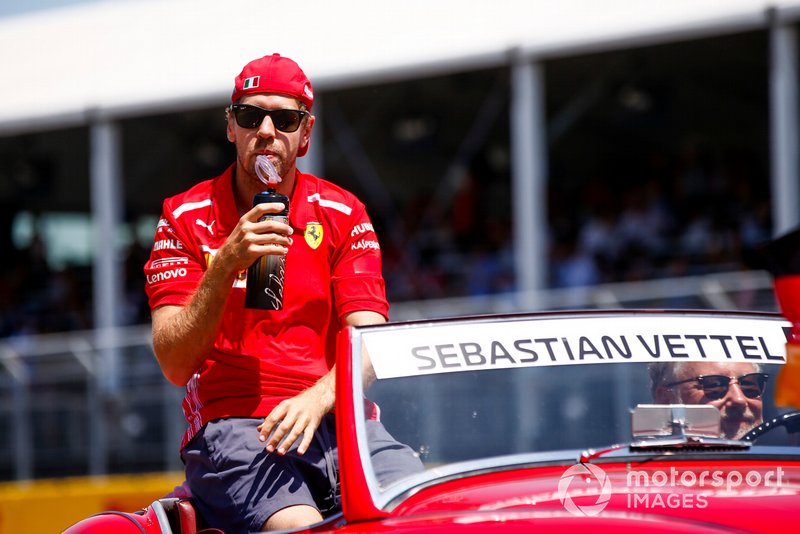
(237, 486)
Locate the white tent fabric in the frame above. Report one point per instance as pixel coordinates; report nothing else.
(126, 57)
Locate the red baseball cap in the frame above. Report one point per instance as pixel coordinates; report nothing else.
(273, 74)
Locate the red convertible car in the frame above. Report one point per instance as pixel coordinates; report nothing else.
(609, 421)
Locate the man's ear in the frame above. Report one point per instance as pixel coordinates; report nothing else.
(231, 129)
(306, 138)
(664, 396)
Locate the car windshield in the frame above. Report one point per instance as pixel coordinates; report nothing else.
(474, 393)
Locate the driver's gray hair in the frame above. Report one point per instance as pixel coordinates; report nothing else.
(665, 372)
(661, 373)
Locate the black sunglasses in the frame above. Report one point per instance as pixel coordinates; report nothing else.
(716, 386)
(285, 120)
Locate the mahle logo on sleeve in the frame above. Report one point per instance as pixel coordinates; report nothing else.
(313, 234)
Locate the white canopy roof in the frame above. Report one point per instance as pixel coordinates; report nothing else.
(136, 56)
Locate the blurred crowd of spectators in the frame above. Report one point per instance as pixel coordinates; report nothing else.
(37, 298)
(649, 232)
(696, 213)
(691, 216)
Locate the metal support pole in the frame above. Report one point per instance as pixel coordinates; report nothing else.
(107, 283)
(21, 428)
(23, 433)
(784, 128)
(529, 179)
(108, 275)
(97, 440)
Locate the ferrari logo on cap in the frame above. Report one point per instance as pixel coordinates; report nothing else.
(251, 83)
(313, 234)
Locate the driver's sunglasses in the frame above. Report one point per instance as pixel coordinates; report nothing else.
(285, 120)
(716, 386)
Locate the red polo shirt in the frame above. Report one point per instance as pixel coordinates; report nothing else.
(259, 357)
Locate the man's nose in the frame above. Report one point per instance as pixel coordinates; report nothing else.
(735, 394)
(266, 129)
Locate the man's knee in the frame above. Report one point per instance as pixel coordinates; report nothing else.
(292, 517)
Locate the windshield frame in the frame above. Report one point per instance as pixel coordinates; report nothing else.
(358, 468)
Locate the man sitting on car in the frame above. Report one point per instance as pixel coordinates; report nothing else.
(735, 389)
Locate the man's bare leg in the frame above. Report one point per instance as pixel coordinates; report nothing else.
(292, 517)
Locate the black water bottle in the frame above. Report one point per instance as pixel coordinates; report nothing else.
(265, 275)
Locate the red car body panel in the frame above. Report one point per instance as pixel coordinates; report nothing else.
(532, 493)
(118, 523)
(522, 499)
(527, 522)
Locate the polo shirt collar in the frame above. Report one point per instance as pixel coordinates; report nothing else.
(300, 212)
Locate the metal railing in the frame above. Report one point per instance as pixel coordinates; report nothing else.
(70, 412)
(739, 290)
(95, 402)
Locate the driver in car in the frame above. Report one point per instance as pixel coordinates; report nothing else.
(735, 389)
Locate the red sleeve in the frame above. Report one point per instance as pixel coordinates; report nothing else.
(173, 271)
(357, 280)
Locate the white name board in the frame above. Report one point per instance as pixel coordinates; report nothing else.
(470, 346)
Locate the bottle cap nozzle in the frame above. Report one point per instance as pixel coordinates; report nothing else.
(266, 171)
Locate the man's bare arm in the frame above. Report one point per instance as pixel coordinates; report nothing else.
(184, 335)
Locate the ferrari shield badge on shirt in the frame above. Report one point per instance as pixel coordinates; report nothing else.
(313, 234)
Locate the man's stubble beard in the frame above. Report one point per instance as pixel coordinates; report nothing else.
(744, 422)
